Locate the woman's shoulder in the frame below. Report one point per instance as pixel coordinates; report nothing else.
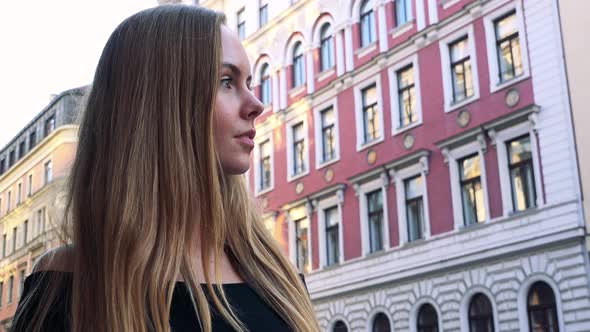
(60, 259)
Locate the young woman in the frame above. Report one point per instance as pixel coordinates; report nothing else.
(163, 234)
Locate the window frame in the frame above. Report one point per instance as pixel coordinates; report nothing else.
(297, 118)
(409, 17)
(298, 65)
(396, 128)
(262, 13)
(50, 125)
(241, 23)
(333, 200)
(450, 104)
(299, 212)
(259, 140)
(48, 172)
(359, 113)
(500, 138)
(318, 133)
(418, 167)
(378, 181)
(266, 83)
(372, 24)
(327, 28)
(415, 311)
(470, 182)
(493, 66)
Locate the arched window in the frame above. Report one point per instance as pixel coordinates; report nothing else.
(367, 23)
(427, 319)
(381, 323)
(481, 318)
(542, 309)
(326, 47)
(339, 326)
(298, 67)
(265, 93)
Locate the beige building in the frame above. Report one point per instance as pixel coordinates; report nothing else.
(33, 170)
(576, 44)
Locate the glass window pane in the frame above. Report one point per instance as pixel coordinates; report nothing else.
(506, 26)
(381, 323)
(339, 327)
(414, 187)
(459, 49)
(369, 95)
(520, 149)
(470, 167)
(405, 77)
(327, 117)
(298, 133)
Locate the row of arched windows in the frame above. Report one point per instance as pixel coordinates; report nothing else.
(541, 310)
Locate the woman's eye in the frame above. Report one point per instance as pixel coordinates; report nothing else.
(226, 82)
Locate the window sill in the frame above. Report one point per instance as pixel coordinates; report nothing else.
(457, 105)
(497, 86)
(264, 191)
(297, 91)
(364, 146)
(401, 130)
(327, 163)
(361, 52)
(326, 73)
(292, 178)
(400, 30)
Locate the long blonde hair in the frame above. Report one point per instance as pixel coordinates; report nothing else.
(146, 179)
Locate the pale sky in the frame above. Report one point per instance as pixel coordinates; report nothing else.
(47, 47)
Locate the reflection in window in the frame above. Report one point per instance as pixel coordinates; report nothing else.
(541, 307)
(414, 207)
(407, 96)
(326, 48)
(371, 125)
(461, 69)
(508, 47)
(522, 178)
(302, 245)
(368, 34)
(472, 195)
(298, 65)
(375, 210)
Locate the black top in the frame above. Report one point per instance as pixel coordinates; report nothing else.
(249, 306)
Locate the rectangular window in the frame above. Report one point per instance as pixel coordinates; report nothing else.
(326, 48)
(371, 125)
(472, 196)
(4, 245)
(298, 66)
(263, 13)
(10, 288)
(298, 149)
(332, 236)
(11, 158)
(407, 96)
(265, 166)
(1, 293)
(302, 245)
(461, 69)
(32, 139)
(19, 193)
(49, 125)
(9, 202)
(403, 12)
(242, 23)
(522, 178)
(40, 221)
(48, 172)
(21, 281)
(30, 186)
(375, 211)
(414, 207)
(328, 120)
(21, 150)
(14, 239)
(508, 47)
(25, 231)
(2, 166)
(368, 35)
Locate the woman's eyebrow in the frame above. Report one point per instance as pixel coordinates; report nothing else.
(235, 69)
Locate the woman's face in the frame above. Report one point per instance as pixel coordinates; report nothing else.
(236, 107)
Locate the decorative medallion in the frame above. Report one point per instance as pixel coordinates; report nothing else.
(512, 97)
(463, 118)
(371, 157)
(329, 175)
(409, 140)
(299, 188)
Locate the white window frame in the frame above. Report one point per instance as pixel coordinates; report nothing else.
(297, 213)
(394, 98)
(47, 179)
(414, 314)
(399, 176)
(257, 176)
(446, 70)
(523, 292)
(361, 190)
(19, 193)
(488, 20)
(30, 185)
(289, 127)
(452, 156)
(317, 119)
(466, 301)
(500, 138)
(335, 200)
(358, 110)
